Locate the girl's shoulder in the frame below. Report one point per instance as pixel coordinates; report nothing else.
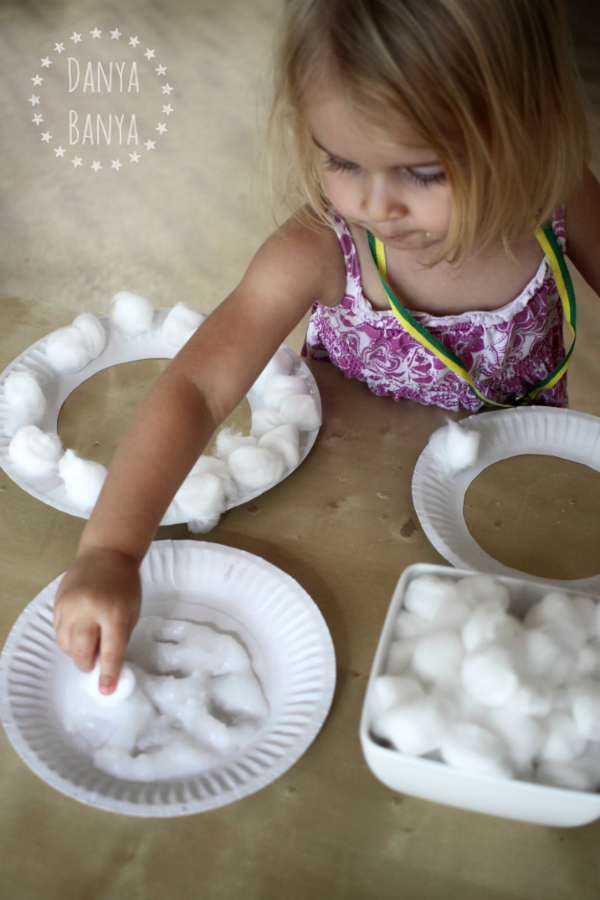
(305, 251)
(301, 261)
(582, 221)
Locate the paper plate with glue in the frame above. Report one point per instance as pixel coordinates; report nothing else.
(231, 670)
(284, 402)
(439, 496)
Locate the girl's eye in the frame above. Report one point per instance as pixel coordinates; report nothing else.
(339, 165)
(426, 178)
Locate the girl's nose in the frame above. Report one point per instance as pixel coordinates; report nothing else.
(382, 201)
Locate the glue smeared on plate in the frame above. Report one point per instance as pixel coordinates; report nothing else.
(188, 698)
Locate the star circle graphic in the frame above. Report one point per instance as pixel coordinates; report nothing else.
(144, 56)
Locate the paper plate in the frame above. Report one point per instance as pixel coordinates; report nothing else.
(280, 626)
(439, 502)
(120, 348)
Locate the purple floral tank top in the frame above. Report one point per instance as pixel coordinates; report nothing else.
(505, 350)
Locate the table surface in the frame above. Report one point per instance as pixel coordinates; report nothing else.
(344, 527)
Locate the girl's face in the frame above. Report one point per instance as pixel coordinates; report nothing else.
(394, 187)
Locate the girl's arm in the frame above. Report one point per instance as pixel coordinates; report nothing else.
(98, 601)
(582, 221)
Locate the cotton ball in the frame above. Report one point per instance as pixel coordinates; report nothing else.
(284, 441)
(25, 399)
(557, 612)
(280, 364)
(35, 451)
(533, 699)
(587, 663)
(301, 410)
(124, 689)
(92, 334)
(542, 655)
(489, 622)
(180, 324)
(586, 710)
(426, 594)
(399, 656)
(563, 741)
(254, 467)
(473, 748)
(452, 614)
(579, 775)
(264, 420)
(409, 625)
(438, 656)
(488, 674)
(582, 774)
(279, 386)
(229, 440)
(66, 350)
(131, 314)
(201, 501)
(215, 467)
(414, 728)
(587, 609)
(453, 448)
(522, 735)
(394, 690)
(477, 589)
(83, 479)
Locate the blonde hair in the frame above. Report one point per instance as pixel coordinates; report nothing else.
(490, 85)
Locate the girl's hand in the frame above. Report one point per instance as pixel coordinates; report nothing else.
(97, 605)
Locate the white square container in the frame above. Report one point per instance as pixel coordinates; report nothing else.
(433, 780)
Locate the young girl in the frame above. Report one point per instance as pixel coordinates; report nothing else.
(432, 137)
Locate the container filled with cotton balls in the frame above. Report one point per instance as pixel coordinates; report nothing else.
(485, 694)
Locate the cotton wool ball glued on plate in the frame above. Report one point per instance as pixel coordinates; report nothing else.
(83, 479)
(201, 500)
(279, 364)
(26, 401)
(263, 421)
(66, 350)
(35, 451)
(277, 387)
(229, 440)
(131, 313)
(415, 728)
(284, 441)
(473, 748)
(254, 468)
(454, 448)
(125, 686)
(300, 410)
(180, 324)
(216, 467)
(92, 333)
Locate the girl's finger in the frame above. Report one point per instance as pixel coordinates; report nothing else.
(83, 644)
(112, 651)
